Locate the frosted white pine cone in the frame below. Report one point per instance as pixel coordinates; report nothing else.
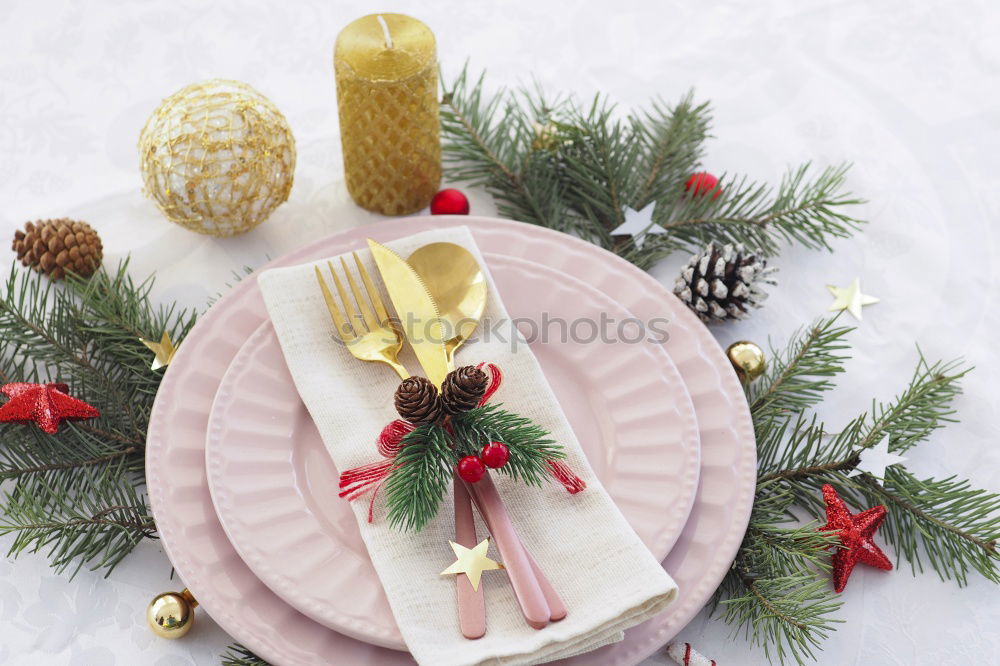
(724, 282)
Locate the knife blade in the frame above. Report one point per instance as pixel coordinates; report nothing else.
(418, 313)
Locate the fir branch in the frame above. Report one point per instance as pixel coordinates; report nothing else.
(776, 592)
(237, 655)
(488, 144)
(952, 524)
(420, 478)
(672, 139)
(797, 378)
(528, 444)
(921, 409)
(942, 523)
(596, 163)
(789, 616)
(803, 211)
(96, 520)
(76, 495)
(910, 418)
(601, 168)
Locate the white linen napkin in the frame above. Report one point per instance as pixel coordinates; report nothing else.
(607, 578)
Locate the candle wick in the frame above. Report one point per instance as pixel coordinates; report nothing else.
(385, 31)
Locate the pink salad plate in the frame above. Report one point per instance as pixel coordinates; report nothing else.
(254, 615)
(275, 487)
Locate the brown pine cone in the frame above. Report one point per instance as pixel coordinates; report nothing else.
(55, 247)
(417, 401)
(463, 388)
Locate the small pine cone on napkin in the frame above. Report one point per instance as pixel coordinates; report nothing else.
(417, 401)
(55, 247)
(723, 282)
(463, 388)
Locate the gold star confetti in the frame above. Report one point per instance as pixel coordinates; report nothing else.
(164, 351)
(850, 298)
(472, 562)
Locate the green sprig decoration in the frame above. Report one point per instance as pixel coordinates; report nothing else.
(421, 475)
(528, 444)
(576, 168)
(237, 655)
(77, 495)
(425, 465)
(777, 592)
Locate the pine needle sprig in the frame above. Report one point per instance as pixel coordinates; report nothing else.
(672, 145)
(420, 478)
(922, 408)
(496, 151)
(95, 515)
(237, 655)
(798, 377)
(789, 616)
(529, 445)
(776, 592)
(804, 210)
(119, 322)
(76, 495)
(577, 168)
(947, 521)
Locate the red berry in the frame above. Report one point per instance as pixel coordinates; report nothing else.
(471, 469)
(495, 454)
(702, 183)
(449, 202)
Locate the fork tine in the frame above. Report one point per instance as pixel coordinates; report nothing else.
(344, 330)
(383, 316)
(362, 302)
(352, 314)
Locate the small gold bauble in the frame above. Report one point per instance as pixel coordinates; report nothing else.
(171, 614)
(217, 157)
(748, 360)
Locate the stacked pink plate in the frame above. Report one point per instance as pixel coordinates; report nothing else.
(256, 530)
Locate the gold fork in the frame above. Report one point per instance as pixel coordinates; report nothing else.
(374, 338)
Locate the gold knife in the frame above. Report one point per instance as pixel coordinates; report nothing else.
(416, 309)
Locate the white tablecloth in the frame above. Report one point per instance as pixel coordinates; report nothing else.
(908, 91)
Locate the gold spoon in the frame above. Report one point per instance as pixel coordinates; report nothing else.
(457, 283)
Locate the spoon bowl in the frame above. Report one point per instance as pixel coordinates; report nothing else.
(456, 281)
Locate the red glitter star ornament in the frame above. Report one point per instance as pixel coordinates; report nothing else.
(856, 532)
(46, 404)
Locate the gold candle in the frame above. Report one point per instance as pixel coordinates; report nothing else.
(387, 97)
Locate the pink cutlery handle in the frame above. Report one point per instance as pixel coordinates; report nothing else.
(515, 559)
(471, 603)
(557, 609)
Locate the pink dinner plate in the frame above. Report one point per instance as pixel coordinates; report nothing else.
(275, 487)
(254, 615)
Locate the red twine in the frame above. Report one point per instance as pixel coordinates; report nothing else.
(357, 481)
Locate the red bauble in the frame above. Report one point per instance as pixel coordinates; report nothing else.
(471, 469)
(495, 454)
(856, 534)
(702, 183)
(45, 404)
(449, 202)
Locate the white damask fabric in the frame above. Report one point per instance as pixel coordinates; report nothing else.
(909, 92)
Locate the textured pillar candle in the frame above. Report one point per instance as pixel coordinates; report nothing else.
(387, 97)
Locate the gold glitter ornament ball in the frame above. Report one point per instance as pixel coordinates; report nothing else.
(217, 157)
